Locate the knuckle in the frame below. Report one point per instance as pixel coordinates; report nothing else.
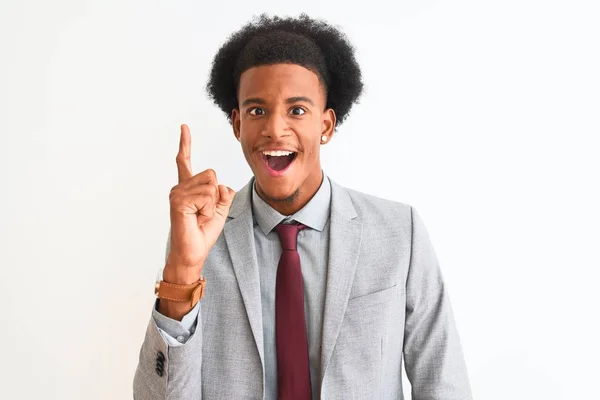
(174, 192)
(211, 174)
(213, 191)
(181, 158)
(174, 198)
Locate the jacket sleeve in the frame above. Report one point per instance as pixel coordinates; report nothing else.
(168, 371)
(433, 355)
(176, 333)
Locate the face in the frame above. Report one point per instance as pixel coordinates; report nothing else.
(280, 123)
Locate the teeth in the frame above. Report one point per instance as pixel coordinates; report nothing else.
(277, 153)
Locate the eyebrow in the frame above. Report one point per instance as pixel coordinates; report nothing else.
(295, 99)
(298, 99)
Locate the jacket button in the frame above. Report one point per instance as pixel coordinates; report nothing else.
(159, 367)
(160, 363)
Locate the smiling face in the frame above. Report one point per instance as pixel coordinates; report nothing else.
(282, 111)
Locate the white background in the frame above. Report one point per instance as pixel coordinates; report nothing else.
(482, 115)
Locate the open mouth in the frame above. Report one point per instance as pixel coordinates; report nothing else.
(279, 162)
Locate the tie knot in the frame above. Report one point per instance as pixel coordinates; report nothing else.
(288, 234)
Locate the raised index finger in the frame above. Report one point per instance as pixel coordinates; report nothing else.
(184, 164)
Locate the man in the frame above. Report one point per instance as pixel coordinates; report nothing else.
(294, 287)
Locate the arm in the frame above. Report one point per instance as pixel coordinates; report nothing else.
(433, 355)
(175, 332)
(168, 368)
(178, 375)
(199, 207)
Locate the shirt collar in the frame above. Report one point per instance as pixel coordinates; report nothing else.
(314, 214)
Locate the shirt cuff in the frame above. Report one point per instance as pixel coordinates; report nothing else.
(176, 333)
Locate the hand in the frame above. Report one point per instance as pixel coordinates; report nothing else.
(199, 208)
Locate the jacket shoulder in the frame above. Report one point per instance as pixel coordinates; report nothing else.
(374, 208)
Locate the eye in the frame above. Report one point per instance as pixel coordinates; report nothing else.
(256, 111)
(298, 111)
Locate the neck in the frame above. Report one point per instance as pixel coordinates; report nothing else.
(299, 199)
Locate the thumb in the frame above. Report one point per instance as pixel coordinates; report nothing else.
(226, 195)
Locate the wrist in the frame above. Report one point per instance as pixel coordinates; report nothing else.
(181, 275)
(173, 309)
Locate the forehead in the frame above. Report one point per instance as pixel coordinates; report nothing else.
(280, 81)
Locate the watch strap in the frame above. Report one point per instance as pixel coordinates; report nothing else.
(183, 293)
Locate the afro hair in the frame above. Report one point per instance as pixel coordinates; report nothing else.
(304, 41)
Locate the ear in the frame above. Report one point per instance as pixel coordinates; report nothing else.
(328, 123)
(236, 122)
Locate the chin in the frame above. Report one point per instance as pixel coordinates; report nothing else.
(277, 189)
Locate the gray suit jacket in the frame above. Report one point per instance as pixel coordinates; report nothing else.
(385, 301)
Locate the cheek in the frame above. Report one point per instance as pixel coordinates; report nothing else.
(247, 125)
(311, 145)
(246, 144)
(311, 138)
(248, 132)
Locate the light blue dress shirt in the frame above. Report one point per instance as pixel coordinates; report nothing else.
(313, 249)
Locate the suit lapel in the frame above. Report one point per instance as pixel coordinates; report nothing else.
(239, 235)
(344, 244)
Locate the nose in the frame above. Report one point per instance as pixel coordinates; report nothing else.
(276, 127)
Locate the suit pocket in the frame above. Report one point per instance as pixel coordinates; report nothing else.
(370, 299)
(356, 363)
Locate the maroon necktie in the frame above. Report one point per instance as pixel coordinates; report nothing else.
(293, 373)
